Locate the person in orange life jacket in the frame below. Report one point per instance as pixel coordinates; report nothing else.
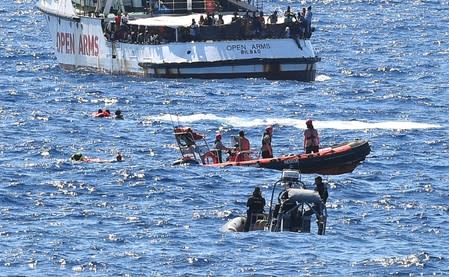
(267, 150)
(255, 204)
(101, 113)
(244, 145)
(219, 147)
(311, 138)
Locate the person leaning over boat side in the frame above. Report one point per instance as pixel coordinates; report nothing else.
(267, 150)
(311, 138)
(318, 208)
(219, 147)
(321, 188)
(255, 204)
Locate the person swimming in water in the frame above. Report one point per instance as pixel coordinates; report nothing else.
(78, 157)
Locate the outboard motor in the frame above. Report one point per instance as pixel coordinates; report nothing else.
(289, 175)
(290, 179)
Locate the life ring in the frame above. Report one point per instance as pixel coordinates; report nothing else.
(209, 158)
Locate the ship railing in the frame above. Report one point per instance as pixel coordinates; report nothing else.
(235, 31)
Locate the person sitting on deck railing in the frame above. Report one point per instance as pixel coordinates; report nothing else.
(236, 18)
(202, 20)
(273, 18)
(300, 25)
(220, 20)
(288, 16)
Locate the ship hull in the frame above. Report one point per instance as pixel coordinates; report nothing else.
(81, 45)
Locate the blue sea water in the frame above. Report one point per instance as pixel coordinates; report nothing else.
(383, 77)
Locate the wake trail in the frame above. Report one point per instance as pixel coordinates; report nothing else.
(242, 122)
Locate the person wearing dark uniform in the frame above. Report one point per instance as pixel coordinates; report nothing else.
(255, 204)
(321, 188)
(267, 150)
(311, 138)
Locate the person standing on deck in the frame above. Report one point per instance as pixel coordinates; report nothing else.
(219, 147)
(311, 138)
(267, 150)
(255, 204)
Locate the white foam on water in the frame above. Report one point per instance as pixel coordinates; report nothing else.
(241, 122)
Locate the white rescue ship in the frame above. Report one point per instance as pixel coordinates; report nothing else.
(159, 39)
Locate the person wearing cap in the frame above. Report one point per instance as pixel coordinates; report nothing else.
(255, 204)
(267, 150)
(219, 147)
(311, 138)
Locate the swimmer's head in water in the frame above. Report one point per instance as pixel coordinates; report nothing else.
(77, 157)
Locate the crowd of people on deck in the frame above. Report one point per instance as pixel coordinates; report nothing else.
(213, 27)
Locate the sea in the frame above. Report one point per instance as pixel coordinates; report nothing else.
(383, 77)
